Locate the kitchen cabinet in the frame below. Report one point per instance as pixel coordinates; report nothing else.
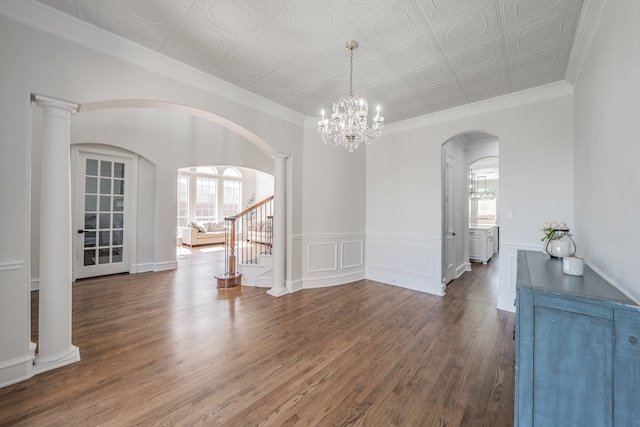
(481, 243)
(495, 239)
(577, 348)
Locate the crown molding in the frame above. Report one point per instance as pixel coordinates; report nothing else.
(528, 96)
(590, 16)
(59, 24)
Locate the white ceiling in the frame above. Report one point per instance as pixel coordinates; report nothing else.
(415, 56)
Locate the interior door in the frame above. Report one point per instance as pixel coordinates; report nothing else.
(449, 204)
(102, 220)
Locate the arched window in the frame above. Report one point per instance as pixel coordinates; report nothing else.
(206, 169)
(232, 172)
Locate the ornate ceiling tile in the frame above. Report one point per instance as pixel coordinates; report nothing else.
(415, 56)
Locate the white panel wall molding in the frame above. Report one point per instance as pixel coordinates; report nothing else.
(16, 364)
(322, 257)
(331, 259)
(352, 254)
(59, 24)
(18, 369)
(405, 261)
(508, 257)
(12, 265)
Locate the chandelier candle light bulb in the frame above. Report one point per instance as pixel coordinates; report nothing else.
(348, 126)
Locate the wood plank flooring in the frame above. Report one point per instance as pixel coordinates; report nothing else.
(170, 349)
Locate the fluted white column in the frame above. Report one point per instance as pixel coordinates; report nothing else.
(279, 224)
(54, 342)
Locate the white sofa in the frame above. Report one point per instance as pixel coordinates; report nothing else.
(260, 232)
(207, 233)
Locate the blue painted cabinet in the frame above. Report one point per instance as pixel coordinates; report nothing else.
(577, 348)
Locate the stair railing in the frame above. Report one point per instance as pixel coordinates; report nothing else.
(248, 234)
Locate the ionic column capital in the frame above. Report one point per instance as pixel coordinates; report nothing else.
(283, 156)
(48, 103)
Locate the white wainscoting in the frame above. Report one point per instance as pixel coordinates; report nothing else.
(508, 258)
(13, 275)
(405, 261)
(329, 260)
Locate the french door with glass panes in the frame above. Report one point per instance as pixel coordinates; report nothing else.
(102, 215)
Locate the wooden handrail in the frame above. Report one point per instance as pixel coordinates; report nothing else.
(249, 209)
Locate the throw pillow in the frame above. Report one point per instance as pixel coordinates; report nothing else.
(216, 226)
(200, 226)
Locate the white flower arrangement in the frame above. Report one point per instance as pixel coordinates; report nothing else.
(554, 230)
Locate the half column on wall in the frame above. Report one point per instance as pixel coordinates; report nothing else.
(54, 340)
(279, 225)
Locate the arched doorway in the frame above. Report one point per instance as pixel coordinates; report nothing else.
(458, 153)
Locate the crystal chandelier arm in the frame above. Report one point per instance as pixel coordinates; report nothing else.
(347, 125)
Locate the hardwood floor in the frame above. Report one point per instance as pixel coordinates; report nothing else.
(170, 349)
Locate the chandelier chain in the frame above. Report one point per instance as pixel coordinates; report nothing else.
(351, 70)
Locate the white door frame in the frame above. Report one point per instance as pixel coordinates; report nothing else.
(449, 196)
(132, 185)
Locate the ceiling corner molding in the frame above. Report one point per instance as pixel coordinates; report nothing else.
(590, 15)
(528, 96)
(51, 21)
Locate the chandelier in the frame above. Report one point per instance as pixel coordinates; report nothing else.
(477, 192)
(347, 125)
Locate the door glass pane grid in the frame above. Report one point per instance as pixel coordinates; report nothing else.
(104, 204)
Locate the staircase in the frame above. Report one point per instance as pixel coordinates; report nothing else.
(258, 274)
(248, 247)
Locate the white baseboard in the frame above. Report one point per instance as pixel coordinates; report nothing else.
(164, 266)
(506, 304)
(407, 283)
(151, 266)
(71, 355)
(18, 369)
(334, 280)
(145, 268)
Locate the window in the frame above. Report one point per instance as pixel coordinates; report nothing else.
(232, 172)
(183, 202)
(231, 199)
(487, 209)
(205, 194)
(206, 199)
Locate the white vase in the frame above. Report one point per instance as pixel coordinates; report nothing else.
(559, 248)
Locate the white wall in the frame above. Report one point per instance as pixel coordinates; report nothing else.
(169, 140)
(37, 62)
(256, 182)
(384, 199)
(607, 131)
(404, 185)
(333, 211)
